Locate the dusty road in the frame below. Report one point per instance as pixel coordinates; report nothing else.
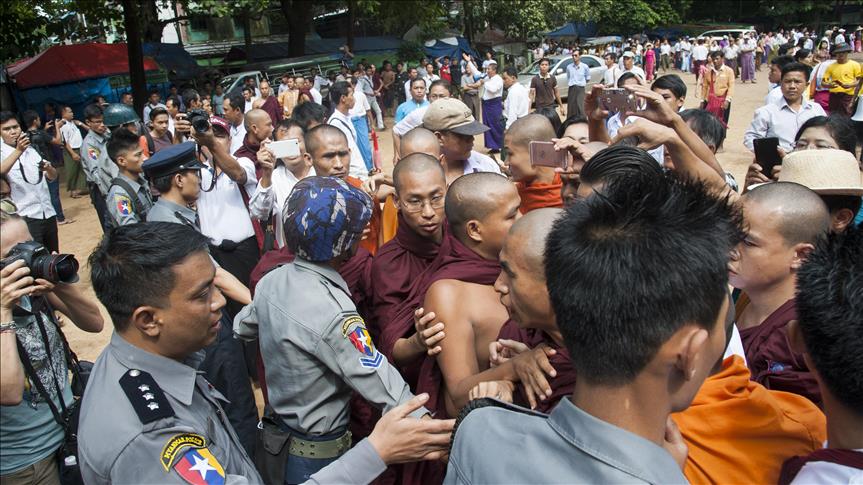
(82, 236)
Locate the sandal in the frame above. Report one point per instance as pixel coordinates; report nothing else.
(65, 221)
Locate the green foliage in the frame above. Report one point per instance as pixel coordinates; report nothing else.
(521, 19)
(627, 16)
(397, 17)
(410, 52)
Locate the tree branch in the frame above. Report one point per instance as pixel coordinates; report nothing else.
(163, 23)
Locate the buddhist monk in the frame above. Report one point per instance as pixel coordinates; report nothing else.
(419, 140)
(784, 221)
(420, 192)
(538, 186)
(458, 287)
(828, 331)
(530, 345)
(740, 432)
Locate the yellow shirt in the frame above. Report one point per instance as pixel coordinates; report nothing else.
(722, 80)
(847, 73)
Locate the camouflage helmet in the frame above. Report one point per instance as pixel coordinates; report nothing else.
(117, 114)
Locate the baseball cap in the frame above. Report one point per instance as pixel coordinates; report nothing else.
(452, 115)
(628, 54)
(219, 122)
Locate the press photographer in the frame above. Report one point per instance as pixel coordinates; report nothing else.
(35, 359)
(28, 173)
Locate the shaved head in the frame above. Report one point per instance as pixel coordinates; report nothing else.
(419, 140)
(530, 128)
(480, 208)
(527, 237)
(802, 217)
(317, 136)
(415, 164)
(255, 117)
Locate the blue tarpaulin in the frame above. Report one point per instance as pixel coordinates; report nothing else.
(173, 58)
(572, 29)
(453, 47)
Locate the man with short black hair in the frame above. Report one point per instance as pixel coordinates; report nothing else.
(717, 87)
(517, 103)
(619, 348)
(784, 118)
(98, 167)
(153, 101)
(129, 198)
(543, 88)
(309, 115)
(342, 96)
(28, 174)
(233, 106)
(672, 89)
(492, 107)
(774, 79)
(159, 133)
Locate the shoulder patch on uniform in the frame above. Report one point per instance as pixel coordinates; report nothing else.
(177, 444)
(200, 467)
(124, 204)
(147, 398)
(354, 329)
(93, 153)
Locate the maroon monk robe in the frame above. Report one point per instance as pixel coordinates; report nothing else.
(846, 457)
(770, 357)
(454, 262)
(562, 384)
(397, 265)
(271, 106)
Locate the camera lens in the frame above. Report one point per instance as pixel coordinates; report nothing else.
(56, 268)
(200, 124)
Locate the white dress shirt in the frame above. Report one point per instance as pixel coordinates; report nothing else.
(361, 104)
(71, 135)
(31, 198)
(222, 212)
(316, 96)
(238, 135)
(271, 200)
(477, 162)
(411, 121)
(609, 77)
(779, 120)
(517, 104)
(493, 88)
(699, 52)
(358, 165)
(827, 472)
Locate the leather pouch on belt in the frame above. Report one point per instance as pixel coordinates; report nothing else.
(271, 450)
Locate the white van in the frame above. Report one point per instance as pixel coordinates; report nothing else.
(731, 33)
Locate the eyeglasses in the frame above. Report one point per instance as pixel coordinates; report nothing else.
(8, 207)
(413, 206)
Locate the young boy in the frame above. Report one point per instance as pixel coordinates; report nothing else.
(129, 196)
(538, 186)
(829, 325)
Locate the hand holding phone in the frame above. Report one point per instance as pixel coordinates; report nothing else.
(285, 148)
(543, 154)
(617, 100)
(766, 154)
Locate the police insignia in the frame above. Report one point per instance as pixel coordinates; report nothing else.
(179, 443)
(354, 329)
(93, 153)
(200, 467)
(124, 205)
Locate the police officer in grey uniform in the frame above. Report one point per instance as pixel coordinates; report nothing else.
(98, 167)
(148, 416)
(129, 198)
(316, 348)
(177, 161)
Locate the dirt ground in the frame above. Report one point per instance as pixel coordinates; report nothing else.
(82, 236)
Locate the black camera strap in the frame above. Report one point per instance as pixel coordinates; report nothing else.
(34, 378)
(38, 168)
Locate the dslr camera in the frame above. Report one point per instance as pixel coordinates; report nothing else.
(199, 120)
(56, 268)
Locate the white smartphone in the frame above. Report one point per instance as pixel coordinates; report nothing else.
(285, 148)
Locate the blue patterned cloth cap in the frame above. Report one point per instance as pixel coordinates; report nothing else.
(325, 217)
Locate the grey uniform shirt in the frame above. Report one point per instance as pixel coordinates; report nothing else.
(116, 446)
(316, 349)
(166, 211)
(98, 167)
(120, 205)
(567, 446)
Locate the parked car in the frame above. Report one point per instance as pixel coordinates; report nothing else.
(234, 82)
(558, 67)
(730, 33)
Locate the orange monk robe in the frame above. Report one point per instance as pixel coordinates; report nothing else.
(738, 431)
(389, 220)
(373, 242)
(539, 196)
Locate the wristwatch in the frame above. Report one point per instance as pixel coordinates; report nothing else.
(8, 327)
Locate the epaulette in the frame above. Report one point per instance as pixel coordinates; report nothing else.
(147, 398)
(485, 402)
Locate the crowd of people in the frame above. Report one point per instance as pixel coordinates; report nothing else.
(595, 295)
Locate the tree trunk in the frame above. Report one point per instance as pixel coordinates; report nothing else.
(352, 18)
(137, 76)
(299, 15)
(247, 34)
(148, 20)
(468, 21)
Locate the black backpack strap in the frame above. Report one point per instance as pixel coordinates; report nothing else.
(151, 145)
(133, 196)
(146, 397)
